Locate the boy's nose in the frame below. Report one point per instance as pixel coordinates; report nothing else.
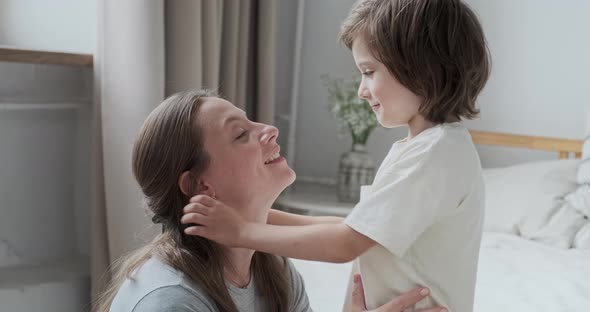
(363, 93)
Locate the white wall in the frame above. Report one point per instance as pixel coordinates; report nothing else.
(60, 25)
(540, 52)
(539, 83)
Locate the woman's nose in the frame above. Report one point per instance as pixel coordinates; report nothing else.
(268, 134)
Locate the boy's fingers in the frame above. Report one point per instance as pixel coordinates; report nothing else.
(197, 231)
(196, 207)
(203, 199)
(194, 218)
(358, 294)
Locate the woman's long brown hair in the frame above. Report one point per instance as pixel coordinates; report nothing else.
(170, 143)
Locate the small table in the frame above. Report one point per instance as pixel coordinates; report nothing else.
(313, 199)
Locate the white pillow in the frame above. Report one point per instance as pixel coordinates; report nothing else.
(582, 239)
(580, 199)
(562, 229)
(521, 199)
(584, 169)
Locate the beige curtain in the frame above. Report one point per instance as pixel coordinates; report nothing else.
(129, 83)
(224, 45)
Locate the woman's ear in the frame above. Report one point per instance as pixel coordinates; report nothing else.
(190, 186)
(186, 183)
(205, 188)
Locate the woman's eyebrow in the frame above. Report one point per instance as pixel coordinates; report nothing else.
(233, 118)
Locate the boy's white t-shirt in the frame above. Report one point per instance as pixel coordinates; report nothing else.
(425, 210)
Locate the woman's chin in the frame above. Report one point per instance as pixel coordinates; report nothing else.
(287, 178)
(278, 182)
(293, 176)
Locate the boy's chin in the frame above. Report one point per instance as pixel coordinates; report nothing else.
(392, 124)
(386, 123)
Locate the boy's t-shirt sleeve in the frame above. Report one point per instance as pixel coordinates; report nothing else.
(410, 196)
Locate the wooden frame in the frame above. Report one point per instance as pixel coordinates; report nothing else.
(45, 57)
(562, 146)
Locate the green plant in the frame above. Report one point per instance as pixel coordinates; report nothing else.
(353, 114)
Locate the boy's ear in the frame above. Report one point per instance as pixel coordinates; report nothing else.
(190, 186)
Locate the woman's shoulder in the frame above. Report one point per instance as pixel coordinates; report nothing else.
(299, 294)
(150, 283)
(177, 298)
(293, 273)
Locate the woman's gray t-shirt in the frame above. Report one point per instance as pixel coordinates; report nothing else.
(158, 287)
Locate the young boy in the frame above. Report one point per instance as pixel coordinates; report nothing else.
(424, 62)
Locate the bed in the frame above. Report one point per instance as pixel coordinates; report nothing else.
(535, 252)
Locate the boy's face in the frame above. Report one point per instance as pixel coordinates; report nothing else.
(393, 103)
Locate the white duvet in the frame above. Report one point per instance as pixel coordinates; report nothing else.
(515, 275)
(519, 275)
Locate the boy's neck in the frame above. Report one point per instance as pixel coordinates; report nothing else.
(418, 124)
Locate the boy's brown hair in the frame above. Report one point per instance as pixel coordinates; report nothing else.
(435, 48)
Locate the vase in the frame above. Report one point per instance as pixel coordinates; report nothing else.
(356, 168)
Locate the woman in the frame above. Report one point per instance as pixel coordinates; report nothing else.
(196, 143)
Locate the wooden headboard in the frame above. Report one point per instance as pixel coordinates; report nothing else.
(562, 146)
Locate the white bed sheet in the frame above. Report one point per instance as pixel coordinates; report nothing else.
(519, 275)
(515, 275)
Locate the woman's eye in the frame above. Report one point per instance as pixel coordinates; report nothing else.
(243, 134)
(368, 73)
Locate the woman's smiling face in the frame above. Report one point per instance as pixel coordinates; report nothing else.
(245, 163)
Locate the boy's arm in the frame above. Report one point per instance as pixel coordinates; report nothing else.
(277, 217)
(332, 242)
